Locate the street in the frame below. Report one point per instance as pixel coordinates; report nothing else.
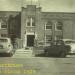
(30, 65)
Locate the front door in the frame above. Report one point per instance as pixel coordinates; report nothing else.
(30, 40)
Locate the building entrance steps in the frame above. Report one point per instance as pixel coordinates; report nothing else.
(24, 52)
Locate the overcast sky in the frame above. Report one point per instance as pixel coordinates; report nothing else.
(47, 5)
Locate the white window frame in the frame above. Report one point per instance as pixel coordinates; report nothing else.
(46, 38)
(3, 23)
(56, 24)
(56, 37)
(0, 25)
(3, 28)
(3, 35)
(31, 21)
(47, 25)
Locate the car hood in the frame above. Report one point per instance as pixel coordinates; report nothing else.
(4, 44)
(72, 46)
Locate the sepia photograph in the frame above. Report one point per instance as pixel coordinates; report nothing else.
(37, 37)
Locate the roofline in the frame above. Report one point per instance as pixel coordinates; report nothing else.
(44, 12)
(60, 12)
(10, 11)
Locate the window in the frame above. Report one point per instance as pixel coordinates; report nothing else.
(3, 35)
(58, 37)
(30, 21)
(48, 38)
(3, 26)
(59, 25)
(33, 21)
(49, 25)
(0, 25)
(3, 40)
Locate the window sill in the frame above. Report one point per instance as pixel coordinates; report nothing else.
(3, 28)
(58, 30)
(30, 26)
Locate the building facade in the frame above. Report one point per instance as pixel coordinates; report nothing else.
(3, 25)
(35, 27)
(45, 27)
(9, 23)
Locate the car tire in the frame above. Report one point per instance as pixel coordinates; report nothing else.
(62, 54)
(11, 53)
(45, 54)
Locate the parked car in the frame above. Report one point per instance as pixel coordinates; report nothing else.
(57, 48)
(71, 43)
(72, 47)
(67, 41)
(6, 46)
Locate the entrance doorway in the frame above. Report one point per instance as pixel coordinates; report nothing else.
(30, 40)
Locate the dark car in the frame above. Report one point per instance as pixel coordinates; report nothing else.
(57, 48)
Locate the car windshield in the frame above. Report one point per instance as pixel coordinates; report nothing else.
(73, 42)
(3, 40)
(68, 42)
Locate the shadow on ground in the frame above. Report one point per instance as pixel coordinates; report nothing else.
(43, 55)
(5, 55)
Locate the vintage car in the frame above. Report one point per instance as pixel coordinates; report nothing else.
(6, 46)
(57, 48)
(71, 43)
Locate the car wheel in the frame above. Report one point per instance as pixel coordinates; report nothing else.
(11, 53)
(62, 54)
(46, 54)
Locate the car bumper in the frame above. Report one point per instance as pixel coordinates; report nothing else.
(72, 52)
(5, 51)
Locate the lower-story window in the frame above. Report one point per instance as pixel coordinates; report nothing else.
(48, 38)
(58, 37)
(3, 35)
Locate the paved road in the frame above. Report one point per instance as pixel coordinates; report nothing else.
(25, 64)
(38, 66)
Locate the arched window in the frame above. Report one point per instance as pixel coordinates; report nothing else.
(48, 25)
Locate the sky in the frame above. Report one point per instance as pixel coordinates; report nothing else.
(47, 5)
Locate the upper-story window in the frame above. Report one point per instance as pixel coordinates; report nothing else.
(33, 21)
(3, 35)
(48, 25)
(59, 25)
(30, 22)
(3, 25)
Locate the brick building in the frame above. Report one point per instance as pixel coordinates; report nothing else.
(45, 26)
(32, 25)
(8, 23)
